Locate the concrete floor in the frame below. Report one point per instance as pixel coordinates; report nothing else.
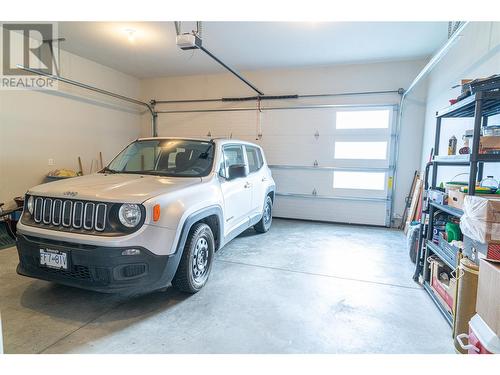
(303, 287)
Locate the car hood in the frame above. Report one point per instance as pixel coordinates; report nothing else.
(126, 188)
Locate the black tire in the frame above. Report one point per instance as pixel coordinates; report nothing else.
(196, 262)
(267, 217)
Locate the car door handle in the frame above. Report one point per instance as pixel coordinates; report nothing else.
(264, 179)
(247, 185)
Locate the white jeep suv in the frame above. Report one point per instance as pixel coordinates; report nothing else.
(156, 214)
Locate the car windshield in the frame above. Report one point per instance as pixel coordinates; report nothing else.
(165, 157)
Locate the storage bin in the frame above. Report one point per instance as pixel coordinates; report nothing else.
(450, 250)
(481, 339)
(467, 275)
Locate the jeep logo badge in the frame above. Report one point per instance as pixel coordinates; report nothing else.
(70, 193)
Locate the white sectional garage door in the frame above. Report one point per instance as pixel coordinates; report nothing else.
(329, 164)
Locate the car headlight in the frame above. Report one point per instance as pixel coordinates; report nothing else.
(30, 203)
(129, 215)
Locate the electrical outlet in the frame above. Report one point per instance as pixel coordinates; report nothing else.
(52, 162)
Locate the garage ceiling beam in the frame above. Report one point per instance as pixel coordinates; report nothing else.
(198, 44)
(235, 73)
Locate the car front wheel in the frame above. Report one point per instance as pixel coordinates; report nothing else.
(196, 262)
(267, 217)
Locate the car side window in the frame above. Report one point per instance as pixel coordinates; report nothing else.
(233, 155)
(254, 158)
(222, 167)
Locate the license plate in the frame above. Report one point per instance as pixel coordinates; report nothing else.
(54, 259)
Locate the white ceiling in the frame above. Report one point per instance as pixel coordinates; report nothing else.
(249, 45)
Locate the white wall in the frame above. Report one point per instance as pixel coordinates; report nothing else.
(333, 79)
(64, 124)
(476, 54)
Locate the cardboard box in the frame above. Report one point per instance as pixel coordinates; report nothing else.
(486, 232)
(456, 199)
(444, 293)
(481, 219)
(488, 294)
(482, 207)
(490, 143)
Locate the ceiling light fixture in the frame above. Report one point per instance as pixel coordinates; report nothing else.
(130, 34)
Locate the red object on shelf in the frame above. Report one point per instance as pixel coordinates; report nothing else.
(442, 293)
(493, 251)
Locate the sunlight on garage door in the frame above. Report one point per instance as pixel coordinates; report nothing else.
(363, 119)
(362, 150)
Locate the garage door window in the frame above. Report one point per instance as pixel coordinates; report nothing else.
(361, 150)
(363, 119)
(359, 180)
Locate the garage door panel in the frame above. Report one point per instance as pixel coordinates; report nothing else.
(355, 212)
(235, 124)
(303, 182)
(303, 122)
(217, 124)
(297, 150)
(342, 147)
(298, 181)
(354, 166)
(177, 131)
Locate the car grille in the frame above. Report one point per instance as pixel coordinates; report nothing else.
(95, 275)
(76, 272)
(66, 213)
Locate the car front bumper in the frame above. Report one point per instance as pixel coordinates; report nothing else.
(98, 268)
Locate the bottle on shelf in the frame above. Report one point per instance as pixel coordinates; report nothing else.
(452, 145)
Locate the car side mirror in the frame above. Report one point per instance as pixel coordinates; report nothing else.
(237, 171)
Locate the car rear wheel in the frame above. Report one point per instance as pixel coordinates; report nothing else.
(196, 262)
(267, 217)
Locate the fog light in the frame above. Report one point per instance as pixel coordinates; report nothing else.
(131, 252)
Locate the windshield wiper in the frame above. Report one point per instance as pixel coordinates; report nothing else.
(157, 173)
(109, 170)
(204, 155)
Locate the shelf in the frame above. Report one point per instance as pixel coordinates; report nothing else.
(479, 106)
(444, 312)
(444, 256)
(452, 159)
(467, 107)
(448, 209)
(489, 158)
(465, 159)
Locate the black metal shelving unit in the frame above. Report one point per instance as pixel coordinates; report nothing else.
(479, 106)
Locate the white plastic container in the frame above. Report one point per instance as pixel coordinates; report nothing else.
(481, 338)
